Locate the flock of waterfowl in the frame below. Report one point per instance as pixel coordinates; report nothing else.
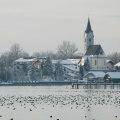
(75, 100)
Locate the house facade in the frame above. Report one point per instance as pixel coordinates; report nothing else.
(28, 61)
(110, 65)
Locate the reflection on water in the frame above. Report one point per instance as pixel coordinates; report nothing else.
(59, 102)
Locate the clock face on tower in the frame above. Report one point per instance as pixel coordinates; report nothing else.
(90, 40)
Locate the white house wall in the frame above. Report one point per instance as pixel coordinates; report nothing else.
(100, 63)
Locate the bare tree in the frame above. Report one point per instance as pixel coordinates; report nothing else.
(23, 54)
(7, 59)
(15, 50)
(37, 54)
(66, 50)
(115, 57)
(49, 53)
(48, 68)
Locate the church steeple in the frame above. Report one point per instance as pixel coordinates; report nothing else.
(88, 28)
(88, 37)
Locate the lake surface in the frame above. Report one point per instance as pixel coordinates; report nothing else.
(58, 103)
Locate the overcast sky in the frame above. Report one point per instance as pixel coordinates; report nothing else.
(41, 25)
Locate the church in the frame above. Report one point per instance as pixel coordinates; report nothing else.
(94, 58)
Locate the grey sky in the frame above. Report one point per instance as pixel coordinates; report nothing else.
(40, 25)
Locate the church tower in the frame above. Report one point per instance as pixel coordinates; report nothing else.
(88, 37)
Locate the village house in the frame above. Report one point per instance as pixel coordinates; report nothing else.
(112, 77)
(95, 76)
(28, 61)
(110, 64)
(117, 66)
(70, 68)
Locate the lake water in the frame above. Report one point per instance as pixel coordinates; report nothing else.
(58, 103)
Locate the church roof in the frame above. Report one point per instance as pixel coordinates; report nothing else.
(88, 28)
(94, 50)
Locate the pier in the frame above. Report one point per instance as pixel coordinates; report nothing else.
(96, 85)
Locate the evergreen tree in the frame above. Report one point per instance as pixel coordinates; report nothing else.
(38, 74)
(42, 67)
(81, 71)
(21, 74)
(47, 67)
(59, 74)
(31, 72)
(25, 68)
(87, 65)
(14, 73)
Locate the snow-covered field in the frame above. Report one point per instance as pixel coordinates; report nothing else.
(58, 103)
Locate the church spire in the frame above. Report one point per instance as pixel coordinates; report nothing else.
(88, 37)
(88, 29)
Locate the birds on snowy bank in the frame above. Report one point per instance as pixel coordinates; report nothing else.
(85, 100)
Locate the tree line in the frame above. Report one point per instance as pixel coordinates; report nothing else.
(115, 57)
(9, 71)
(29, 72)
(64, 51)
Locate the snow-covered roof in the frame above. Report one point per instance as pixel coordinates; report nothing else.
(109, 61)
(118, 64)
(63, 62)
(66, 62)
(55, 61)
(115, 75)
(25, 60)
(71, 74)
(41, 58)
(96, 73)
(74, 61)
(72, 67)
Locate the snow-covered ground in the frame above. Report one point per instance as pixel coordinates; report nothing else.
(58, 103)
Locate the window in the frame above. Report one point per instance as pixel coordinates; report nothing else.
(89, 39)
(95, 62)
